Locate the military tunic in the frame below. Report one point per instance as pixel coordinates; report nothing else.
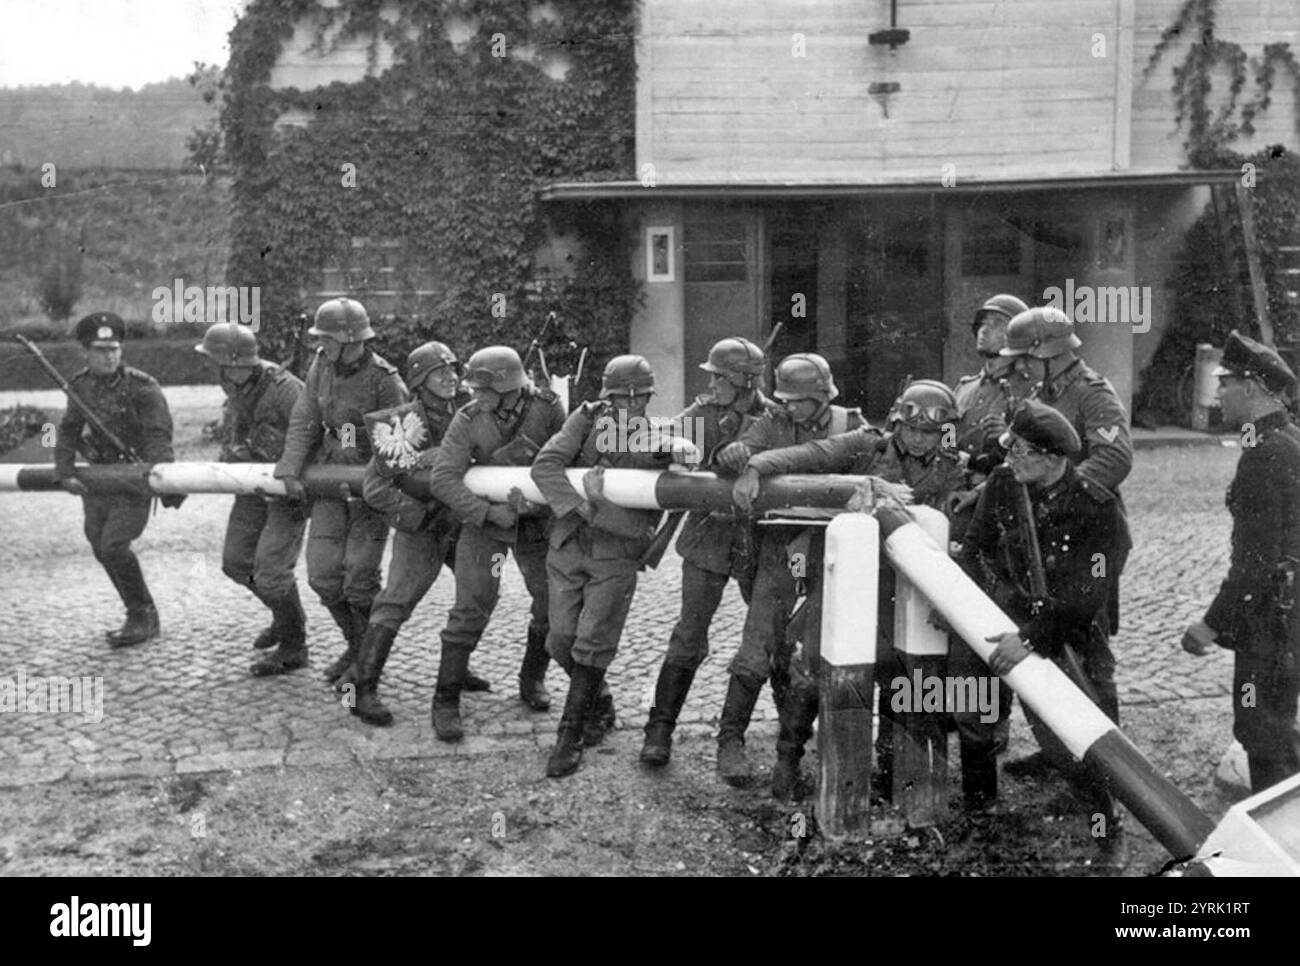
(978, 396)
(263, 537)
(480, 436)
(345, 542)
(789, 557)
(591, 567)
(1081, 532)
(1250, 613)
(131, 404)
(423, 533)
(713, 546)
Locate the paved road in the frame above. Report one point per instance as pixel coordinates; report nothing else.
(186, 703)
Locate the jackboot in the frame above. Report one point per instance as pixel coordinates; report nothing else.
(141, 616)
(360, 621)
(670, 694)
(287, 656)
(346, 617)
(797, 715)
(473, 682)
(445, 710)
(288, 620)
(600, 719)
(532, 672)
(375, 646)
(737, 709)
(584, 690)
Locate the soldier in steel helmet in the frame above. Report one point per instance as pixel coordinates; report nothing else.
(714, 547)
(131, 405)
(1042, 343)
(1077, 523)
(405, 440)
(914, 455)
(1254, 613)
(345, 541)
(504, 425)
(263, 534)
(789, 557)
(596, 547)
(985, 402)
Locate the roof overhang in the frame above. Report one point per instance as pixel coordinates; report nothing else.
(785, 191)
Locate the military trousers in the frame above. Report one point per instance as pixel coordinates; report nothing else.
(786, 565)
(1265, 689)
(480, 559)
(702, 591)
(589, 602)
(416, 562)
(111, 523)
(263, 540)
(345, 548)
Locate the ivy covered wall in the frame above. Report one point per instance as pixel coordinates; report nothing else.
(438, 158)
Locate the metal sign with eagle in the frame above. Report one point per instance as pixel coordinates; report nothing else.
(400, 438)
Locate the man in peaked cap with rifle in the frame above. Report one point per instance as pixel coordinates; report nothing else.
(116, 414)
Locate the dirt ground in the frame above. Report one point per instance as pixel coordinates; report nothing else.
(495, 814)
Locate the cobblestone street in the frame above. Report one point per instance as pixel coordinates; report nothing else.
(186, 703)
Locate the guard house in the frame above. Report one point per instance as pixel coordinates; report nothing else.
(794, 165)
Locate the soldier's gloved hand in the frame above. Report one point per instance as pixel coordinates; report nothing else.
(962, 499)
(73, 486)
(172, 501)
(1199, 639)
(523, 506)
(733, 457)
(293, 489)
(938, 621)
(745, 489)
(1009, 652)
(500, 515)
(685, 453)
(994, 424)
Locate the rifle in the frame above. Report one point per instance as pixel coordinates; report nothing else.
(124, 452)
(297, 364)
(767, 350)
(535, 344)
(1038, 590)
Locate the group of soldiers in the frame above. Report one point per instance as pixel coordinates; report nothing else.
(1026, 457)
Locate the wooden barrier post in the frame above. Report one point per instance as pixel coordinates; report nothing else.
(921, 743)
(848, 655)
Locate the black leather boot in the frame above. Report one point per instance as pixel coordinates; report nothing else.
(141, 616)
(532, 672)
(670, 694)
(445, 710)
(584, 688)
(797, 716)
(345, 616)
(600, 720)
(375, 647)
(737, 709)
(291, 652)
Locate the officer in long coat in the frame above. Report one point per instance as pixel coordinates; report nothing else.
(1254, 612)
(131, 405)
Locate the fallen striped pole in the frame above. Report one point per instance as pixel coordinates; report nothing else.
(635, 489)
(1090, 736)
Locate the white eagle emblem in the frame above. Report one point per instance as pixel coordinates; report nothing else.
(399, 440)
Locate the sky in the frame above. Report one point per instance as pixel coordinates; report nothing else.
(110, 43)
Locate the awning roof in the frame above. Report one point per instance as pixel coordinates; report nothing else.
(782, 191)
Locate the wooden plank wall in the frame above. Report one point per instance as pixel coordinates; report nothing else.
(999, 89)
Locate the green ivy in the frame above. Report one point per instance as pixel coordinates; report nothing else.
(450, 148)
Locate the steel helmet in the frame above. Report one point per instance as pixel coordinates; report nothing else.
(495, 367)
(1005, 305)
(344, 320)
(738, 359)
(804, 375)
(627, 375)
(925, 404)
(229, 344)
(1042, 333)
(425, 359)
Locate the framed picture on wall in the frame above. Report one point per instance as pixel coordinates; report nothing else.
(660, 255)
